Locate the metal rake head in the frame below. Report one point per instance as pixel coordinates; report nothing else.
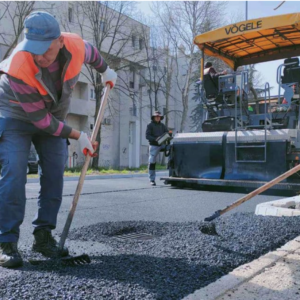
(208, 228)
(76, 260)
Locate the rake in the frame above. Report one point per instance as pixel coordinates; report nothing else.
(210, 228)
(84, 258)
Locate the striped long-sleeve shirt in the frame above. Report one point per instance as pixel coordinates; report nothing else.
(41, 110)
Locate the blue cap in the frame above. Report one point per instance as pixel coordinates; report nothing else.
(40, 29)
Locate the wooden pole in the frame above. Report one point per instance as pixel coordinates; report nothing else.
(83, 170)
(254, 193)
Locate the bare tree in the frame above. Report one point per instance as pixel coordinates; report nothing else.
(183, 20)
(109, 28)
(15, 14)
(154, 69)
(256, 83)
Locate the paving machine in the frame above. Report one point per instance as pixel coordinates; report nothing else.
(244, 143)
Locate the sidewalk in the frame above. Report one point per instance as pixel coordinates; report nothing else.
(112, 176)
(273, 276)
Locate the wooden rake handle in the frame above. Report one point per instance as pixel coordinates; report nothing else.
(261, 189)
(67, 226)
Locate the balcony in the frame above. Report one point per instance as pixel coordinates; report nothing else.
(79, 107)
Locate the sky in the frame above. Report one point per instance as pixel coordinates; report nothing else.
(256, 9)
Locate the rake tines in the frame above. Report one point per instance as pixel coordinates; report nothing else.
(208, 228)
(65, 261)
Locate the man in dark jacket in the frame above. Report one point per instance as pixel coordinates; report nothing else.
(154, 130)
(211, 79)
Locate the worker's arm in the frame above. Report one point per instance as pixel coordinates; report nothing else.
(213, 73)
(94, 59)
(33, 104)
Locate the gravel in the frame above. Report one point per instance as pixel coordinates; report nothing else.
(176, 261)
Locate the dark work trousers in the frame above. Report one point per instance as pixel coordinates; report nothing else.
(15, 141)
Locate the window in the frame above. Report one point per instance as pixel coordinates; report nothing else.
(141, 43)
(71, 13)
(136, 42)
(132, 78)
(133, 38)
(92, 94)
(102, 26)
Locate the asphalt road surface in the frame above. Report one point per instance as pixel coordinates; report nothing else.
(132, 198)
(176, 260)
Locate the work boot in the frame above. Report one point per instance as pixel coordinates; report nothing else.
(45, 244)
(10, 256)
(153, 183)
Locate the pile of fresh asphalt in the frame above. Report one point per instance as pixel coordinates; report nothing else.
(175, 262)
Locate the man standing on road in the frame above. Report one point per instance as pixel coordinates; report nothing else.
(35, 93)
(154, 130)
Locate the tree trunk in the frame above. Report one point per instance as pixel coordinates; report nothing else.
(185, 98)
(98, 93)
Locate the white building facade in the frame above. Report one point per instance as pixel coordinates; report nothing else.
(123, 142)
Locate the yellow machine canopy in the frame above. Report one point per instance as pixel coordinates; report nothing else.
(253, 41)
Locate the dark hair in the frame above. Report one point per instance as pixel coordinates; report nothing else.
(208, 64)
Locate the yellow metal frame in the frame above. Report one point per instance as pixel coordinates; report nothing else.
(253, 41)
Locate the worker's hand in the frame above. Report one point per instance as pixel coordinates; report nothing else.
(224, 72)
(86, 146)
(109, 77)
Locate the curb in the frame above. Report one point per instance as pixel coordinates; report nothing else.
(244, 273)
(278, 208)
(97, 177)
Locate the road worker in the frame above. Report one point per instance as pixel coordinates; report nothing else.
(36, 86)
(211, 80)
(154, 130)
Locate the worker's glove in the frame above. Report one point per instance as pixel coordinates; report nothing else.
(109, 77)
(85, 144)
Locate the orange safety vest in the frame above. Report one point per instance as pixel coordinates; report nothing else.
(21, 65)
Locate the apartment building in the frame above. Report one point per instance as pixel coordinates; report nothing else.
(123, 142)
